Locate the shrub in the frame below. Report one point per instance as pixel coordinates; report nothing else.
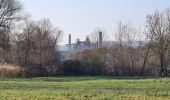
(7, 70)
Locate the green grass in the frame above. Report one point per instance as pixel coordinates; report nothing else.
(84, 88)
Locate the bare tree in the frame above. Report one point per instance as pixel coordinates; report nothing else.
(126, 36)
(47, 38)
(25, 42)
(10, 11)
(5, 44)
(146, 48)
(119, 51)
(158, 25)
(35, 46)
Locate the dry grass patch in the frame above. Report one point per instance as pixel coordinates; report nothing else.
(7, 70)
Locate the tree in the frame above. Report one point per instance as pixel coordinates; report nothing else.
(126, 36)
(158, 27)
(146, 48)
(9, 13)
(5, 44)
(47, 37)
(36, 46)
(24, 42)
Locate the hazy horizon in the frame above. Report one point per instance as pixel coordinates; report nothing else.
(82, 17)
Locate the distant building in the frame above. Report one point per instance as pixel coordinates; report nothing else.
(70, 48)
(83, 44)
(67, 50)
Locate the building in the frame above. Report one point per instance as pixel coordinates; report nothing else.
(70, 48)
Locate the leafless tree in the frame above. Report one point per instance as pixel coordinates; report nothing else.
(24, 43)
(146, 49)
(158, 25)
(10, 11)
(126, 36)
(47, 38)
(35, 45)
(5, 44)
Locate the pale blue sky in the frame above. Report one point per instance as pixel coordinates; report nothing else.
(82, 17)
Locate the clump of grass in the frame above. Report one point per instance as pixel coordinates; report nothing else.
(7, 70)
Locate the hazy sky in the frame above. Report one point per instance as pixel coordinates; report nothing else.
(82, 17)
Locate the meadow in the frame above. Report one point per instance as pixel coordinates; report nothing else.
(85, 88)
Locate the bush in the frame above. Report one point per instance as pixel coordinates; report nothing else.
(7, 70)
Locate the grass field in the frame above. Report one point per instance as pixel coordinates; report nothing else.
(84, 88)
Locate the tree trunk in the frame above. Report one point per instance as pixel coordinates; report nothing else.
(145, 61)
(163, 70)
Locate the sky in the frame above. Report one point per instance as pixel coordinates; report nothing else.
(82, 17)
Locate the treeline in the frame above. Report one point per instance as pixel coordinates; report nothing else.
(136, 53)
(26, 43)
(28, 48)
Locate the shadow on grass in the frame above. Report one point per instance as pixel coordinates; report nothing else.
(87, 78)
(74, 78)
